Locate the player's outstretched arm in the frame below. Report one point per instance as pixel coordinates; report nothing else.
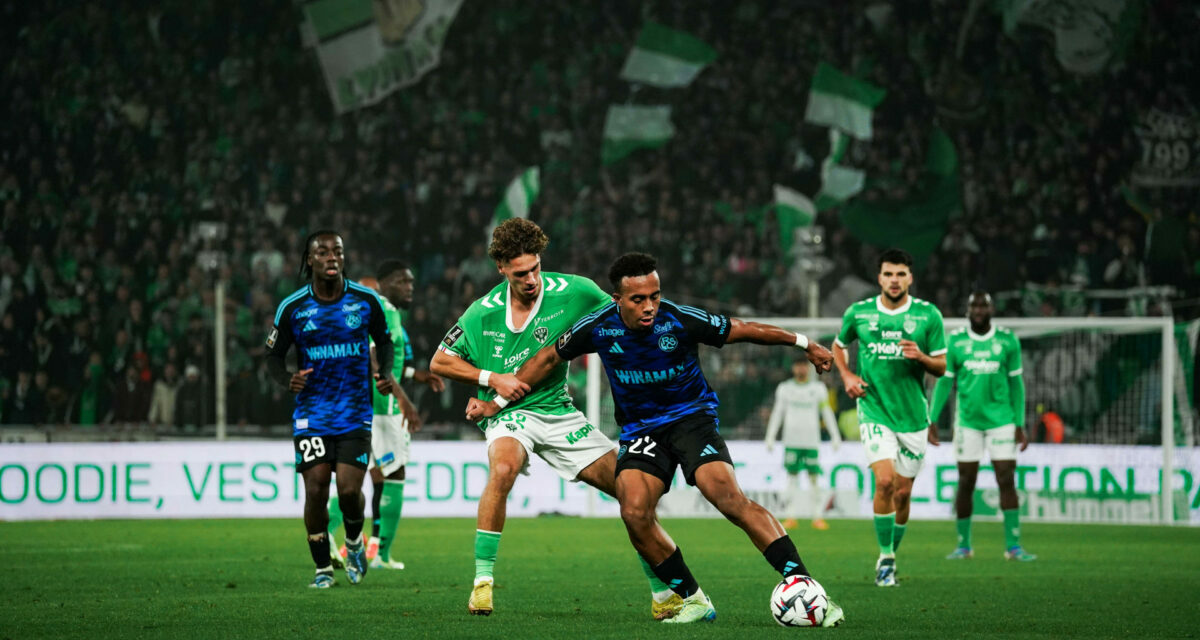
(769, 334)
(530, 374)
(455, 368)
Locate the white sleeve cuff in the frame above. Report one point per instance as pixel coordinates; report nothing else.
(801, 341)
(1015, 373)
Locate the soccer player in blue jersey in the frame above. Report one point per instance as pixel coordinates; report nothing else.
(668, 418)
(331, 321)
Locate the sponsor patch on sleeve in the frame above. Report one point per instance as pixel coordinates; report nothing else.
(271, 338)
(564, 339)
(454, 334)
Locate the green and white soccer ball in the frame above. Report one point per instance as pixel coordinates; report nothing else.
(799, 601)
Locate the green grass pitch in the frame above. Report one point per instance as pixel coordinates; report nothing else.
(578, 578)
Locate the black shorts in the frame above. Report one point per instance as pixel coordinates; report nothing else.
(352, 448)
(687, 443)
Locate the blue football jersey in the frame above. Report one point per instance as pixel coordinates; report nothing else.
(331, 338)
(654, 373)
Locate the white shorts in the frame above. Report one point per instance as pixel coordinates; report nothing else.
(1000, 442)
(566, 442)
(389, 442)
(905, 450)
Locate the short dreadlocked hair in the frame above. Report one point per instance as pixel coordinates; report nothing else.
(517, 237)
(306, 271)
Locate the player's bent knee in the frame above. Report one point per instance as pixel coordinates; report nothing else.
(637, 516)
(505, 472)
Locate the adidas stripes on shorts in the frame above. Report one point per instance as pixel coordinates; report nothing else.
(686, 443)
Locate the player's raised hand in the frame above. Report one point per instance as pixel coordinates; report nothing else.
(856, 387)
(932, 435)
(299, 380)
(821, 357)
(1022, 439)
(910, 350)
(508, 386)
(478, 409)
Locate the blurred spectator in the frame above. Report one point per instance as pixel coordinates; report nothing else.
(26, 403)
(162, 403)
(192, 402)
(131, 398)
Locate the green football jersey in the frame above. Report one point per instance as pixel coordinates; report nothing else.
(981, 366)
(388, 405)
(895, 385)
(486, 337)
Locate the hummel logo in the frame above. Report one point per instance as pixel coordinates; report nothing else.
(310, 326)
(709, 450)
(616, 348)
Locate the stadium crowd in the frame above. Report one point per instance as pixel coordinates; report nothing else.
(148, 150)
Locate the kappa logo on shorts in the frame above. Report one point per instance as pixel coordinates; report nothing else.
(540, 334)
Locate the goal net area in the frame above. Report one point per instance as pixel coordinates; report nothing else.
(1109, 411)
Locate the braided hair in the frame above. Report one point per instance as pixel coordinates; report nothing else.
(306, 271)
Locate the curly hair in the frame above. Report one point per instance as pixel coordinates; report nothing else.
(517, 237)
(631, 265)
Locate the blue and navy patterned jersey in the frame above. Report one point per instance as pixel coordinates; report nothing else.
(654, 374)
(331, 338)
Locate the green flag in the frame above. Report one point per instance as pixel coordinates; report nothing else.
(666, 58)
(628, 128)
(793, 210)
(838, 183)
(518, 197)
(915, 224)
(842, 102)
(1089, 35)
(368, 50)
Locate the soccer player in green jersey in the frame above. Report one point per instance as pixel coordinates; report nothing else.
(492, 339)
(985, 362)
(394, 420)
(900, 339)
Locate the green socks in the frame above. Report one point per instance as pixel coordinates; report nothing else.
(897, 534)
(964, 532)
(487, 545)
(390, 506)
(656, 586)
(885, 525)
(335, 516)
(1012, 528)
